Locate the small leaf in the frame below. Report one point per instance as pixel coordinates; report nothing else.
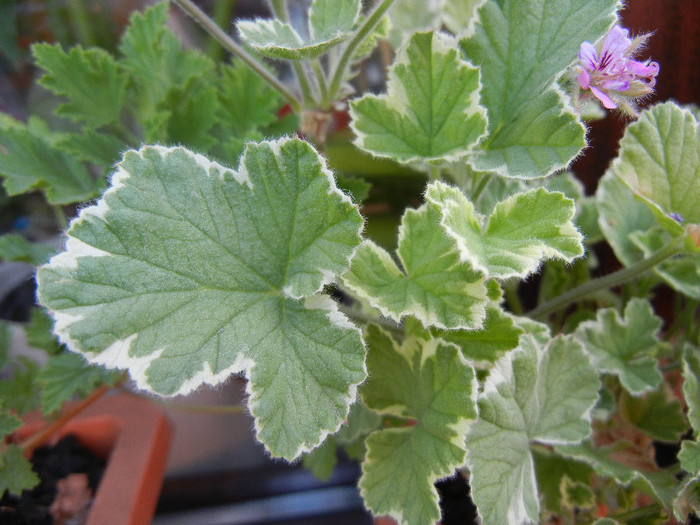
(576, 494)
(657, 413)
(186, 272)
(422, 117)
(688, 500)
(498, 335)
(14, 247)
(691, 385)
(552, 470)
(689, 456)
(435, 288)
(21, 393)
(89, 78)
(151, 51)
(331, 23)
(322, 460)
(8, 423)
(521, 231)
(660, 160)
(102, 149)
(38, 332)
(522, 46)
(625, 347)
(16, 472)
(29, 161)
(434, 389)
(534, 393)
(66, 375)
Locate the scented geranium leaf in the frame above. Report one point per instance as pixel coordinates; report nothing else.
(14, 247)
(522, 230)
(422, 117)
(542, 393)
(99, 148)
(659, 159)
(689, 456)
(522, 47)
(29, 161)
(8, 423)
(457, 15)
(430, 385)
(498, 335)
(66, 375)
(186, 272)
(330, 23)
(151, 51)
(20, 393)
(660, 485)
(39, 332)
(658, 413)
(691, 385)
(436, 288)
(16, 472)
(551, 470)
(322, 460)
(89, 78)
(633, 233)
(625, 347)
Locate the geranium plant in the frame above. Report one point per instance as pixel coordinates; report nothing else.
(221, 243)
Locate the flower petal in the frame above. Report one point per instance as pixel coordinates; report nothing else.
(616, 43)
(588, 56)
(584, 79)
(606, 100)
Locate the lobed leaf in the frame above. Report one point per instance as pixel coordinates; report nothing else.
(428, 383)
(659, 159)
(29, 161)
(542, 393)
(330, 23)
(14, 247)
(89, 78)
(625, 347)
(186, 272)
(519, 233)
(436, 287)
(522, 46)
(16, 472)
(423, 117)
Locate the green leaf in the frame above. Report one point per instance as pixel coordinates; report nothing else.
(29, 161)
(186, 272)
(576, 494)
(331, 23)
(534, 393)
(422, 117)
(522, 46)
(657, 413)
(20, 393)
(322, 460)
(14, 247)
(457, 15)
(5, 342)
(521, 231)
(498, 335)
(192, 113)
(552, 470)
(659, 159)
(633, 233)
(428, 384)
(89, 78)
(8, 423)
(659, 485)
(102, 149)
(691, 385)
(411, 16)
(435, 288)
(151, 51)
(625, 347)
(66, 375)
(38, 332)
(16, 472)
(689, 456)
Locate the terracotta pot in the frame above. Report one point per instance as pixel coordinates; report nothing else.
(133, 434)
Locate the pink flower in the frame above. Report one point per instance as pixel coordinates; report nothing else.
(611, 74)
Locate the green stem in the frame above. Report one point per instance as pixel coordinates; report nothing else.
(608, 281)
(230, 45)
(639, 513)
(322, 83)
(363, 32)
(510, 289)
(81, 20)
(279, 10)
(481, 187)
(223, 9)
(206, 409)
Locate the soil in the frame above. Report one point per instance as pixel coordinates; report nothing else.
(69, 475)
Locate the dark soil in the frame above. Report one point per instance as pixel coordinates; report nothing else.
(52, 464)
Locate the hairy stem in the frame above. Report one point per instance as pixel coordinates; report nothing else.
(607, 281)
(230, 45)
(363, 32)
